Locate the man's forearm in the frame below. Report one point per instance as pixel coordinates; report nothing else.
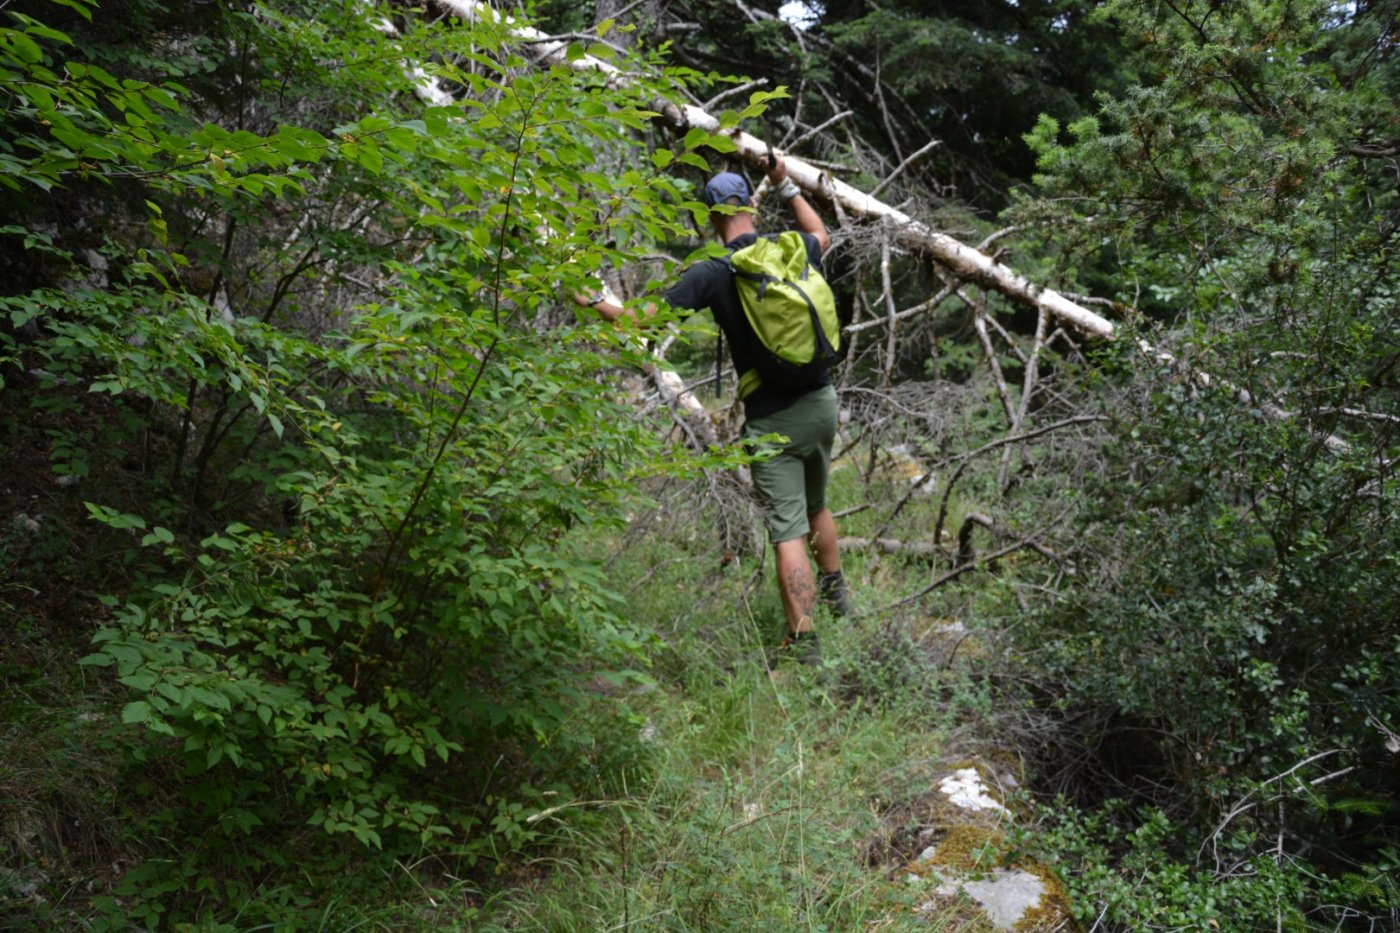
(808, 220)
(611, 312)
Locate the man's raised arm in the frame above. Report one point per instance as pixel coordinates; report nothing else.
(808, 220)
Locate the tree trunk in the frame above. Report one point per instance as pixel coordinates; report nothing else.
(962, 261)
(958, 258)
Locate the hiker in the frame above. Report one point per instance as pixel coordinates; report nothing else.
(792, 484)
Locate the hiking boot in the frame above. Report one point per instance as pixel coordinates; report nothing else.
(833, 591)
(801, 647)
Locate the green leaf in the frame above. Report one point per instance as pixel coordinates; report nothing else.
(39, 96)
(112, 518)
(80, 6)
(142, 679)
(138, 711)
(158, 535)
(25, 48)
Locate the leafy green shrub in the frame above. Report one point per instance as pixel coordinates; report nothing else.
(1119, 880)
(354, 606)
(1224, 641)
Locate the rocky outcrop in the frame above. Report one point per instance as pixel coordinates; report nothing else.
(950, 846)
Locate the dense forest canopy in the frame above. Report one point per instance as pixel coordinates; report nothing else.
(322, 498)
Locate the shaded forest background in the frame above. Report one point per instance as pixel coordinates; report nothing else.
(314, 483)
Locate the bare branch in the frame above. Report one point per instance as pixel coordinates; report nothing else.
(973, 519)
(890, 546)
(956, 572)
(991, 238)
(1244, 804)
(1030, 374)
(979, 322)
(899, 169)
(1377, 151)
(917, 309)
(995, 325)
(887, 289)
(961, 260)
(1017, 438)
(1361, 413)
(819, 129)
(733, 92)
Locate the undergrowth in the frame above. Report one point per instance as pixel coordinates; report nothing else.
(720, 794)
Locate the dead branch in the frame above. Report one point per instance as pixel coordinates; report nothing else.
(675, 395)
(979, 322)
(1244, 804)
(1030, 374)
(956, 572)
(899, 169)
(1361, 414)
(961, 260)
(1018, 438)
(973, 519)
(1377, 151)
(970, 521)
(887, 290)
(819, 129)
(991, 238)
(733, 92)
(916, 310)
(943, 502)
(995, 325)
(890, 546)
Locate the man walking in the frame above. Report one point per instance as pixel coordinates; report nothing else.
(792, 484)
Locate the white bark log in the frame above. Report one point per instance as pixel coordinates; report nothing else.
(963, 261)
(424, 84)
(890, 546)
(958, 258)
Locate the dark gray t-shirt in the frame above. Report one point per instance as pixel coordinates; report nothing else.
(709, 284)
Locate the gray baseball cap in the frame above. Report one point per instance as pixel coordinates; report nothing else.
(724, 186)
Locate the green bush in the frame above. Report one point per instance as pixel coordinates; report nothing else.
(1224, 643)
(353, 606)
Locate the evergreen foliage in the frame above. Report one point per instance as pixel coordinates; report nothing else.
(1238, 627)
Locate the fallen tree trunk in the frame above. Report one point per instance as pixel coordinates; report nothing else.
(891, 546)
(961, 260)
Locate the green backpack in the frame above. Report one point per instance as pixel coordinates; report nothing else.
(790, 309)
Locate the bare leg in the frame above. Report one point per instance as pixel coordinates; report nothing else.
(822, 538)
(831, 587)
(796, 584)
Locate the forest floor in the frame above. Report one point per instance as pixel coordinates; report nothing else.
(883, 789)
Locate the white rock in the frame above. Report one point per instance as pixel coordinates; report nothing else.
(22, 522)
(964, 788)
(1006, 896)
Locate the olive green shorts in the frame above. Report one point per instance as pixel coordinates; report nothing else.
(792, 484)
